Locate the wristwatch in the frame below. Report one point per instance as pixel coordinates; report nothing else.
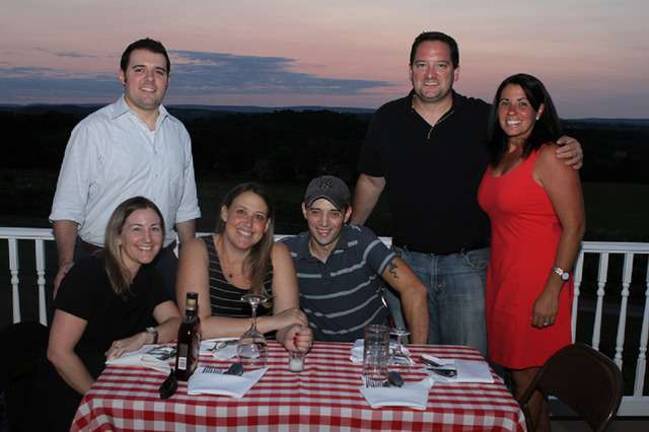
(154, 332)
(564, 275)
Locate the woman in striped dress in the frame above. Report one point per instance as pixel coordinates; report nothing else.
(241, 257)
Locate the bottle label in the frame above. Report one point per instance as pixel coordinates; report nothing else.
(182, 357)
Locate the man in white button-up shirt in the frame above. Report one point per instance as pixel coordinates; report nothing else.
(131, 147)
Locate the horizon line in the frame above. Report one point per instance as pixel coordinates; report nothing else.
(249, 108)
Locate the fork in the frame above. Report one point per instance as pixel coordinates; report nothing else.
(394, 379)
(212, 370)
(234, 369)
(371, 382)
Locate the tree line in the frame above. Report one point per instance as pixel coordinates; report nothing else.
(285, 146)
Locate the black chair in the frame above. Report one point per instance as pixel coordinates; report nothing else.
(582, 378)
(25, 346)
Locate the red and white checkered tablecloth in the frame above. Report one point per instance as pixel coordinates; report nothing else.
(325, 396)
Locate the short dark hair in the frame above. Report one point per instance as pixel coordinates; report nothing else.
(146, 44)
(546, 129)
(436, 36)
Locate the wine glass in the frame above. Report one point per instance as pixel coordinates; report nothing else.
(400, 356)
(252, 344)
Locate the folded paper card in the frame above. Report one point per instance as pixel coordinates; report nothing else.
(468, 371)
(206, 381)
(149, 356)
(413, 395)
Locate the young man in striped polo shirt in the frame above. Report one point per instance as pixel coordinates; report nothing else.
(341, 269)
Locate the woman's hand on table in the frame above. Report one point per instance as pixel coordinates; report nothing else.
(121, 346)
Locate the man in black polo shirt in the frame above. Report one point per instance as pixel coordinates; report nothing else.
(430, 148)
(340, 269)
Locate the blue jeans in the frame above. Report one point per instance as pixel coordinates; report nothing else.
(456, 285)
(394, 304)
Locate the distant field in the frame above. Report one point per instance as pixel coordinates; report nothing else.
(614, 211)
(617, 211)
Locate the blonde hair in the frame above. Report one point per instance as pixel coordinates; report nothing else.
(118, 275)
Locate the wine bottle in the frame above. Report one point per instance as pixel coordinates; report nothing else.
(189, 339)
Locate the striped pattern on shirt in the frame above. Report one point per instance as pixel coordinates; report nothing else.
(225, 298)
(343, 295)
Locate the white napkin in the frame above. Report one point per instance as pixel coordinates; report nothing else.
(357, 353)
(219, 384)
(413, 395)
(226, 353)
(468, 371)
(149, 356)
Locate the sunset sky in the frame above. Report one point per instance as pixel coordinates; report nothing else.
(593, 55)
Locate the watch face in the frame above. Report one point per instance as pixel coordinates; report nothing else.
(564, 275)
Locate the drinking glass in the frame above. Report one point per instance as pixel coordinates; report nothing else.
(252, 350)
(400, 356)
(376, 354)
(296, 361)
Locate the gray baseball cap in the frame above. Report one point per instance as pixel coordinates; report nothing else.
(330, 188)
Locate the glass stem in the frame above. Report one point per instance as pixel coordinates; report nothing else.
(254, 316)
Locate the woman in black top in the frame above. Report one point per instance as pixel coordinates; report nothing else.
(107, 305)
(242, 257)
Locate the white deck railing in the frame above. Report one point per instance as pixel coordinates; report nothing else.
(591, 284)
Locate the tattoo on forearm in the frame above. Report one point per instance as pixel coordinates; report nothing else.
(392, 268)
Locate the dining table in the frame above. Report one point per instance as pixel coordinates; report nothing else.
(324, 396)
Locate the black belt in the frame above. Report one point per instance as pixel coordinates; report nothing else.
(468, 248)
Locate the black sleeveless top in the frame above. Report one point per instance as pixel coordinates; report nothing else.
(225, 298)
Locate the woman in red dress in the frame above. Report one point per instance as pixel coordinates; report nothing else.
(535, 205)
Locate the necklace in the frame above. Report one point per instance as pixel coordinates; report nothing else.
(227, 266)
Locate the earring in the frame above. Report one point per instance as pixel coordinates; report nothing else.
(538, 117)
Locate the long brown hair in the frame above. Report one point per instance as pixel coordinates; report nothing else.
(258, 262)
(118, 275)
